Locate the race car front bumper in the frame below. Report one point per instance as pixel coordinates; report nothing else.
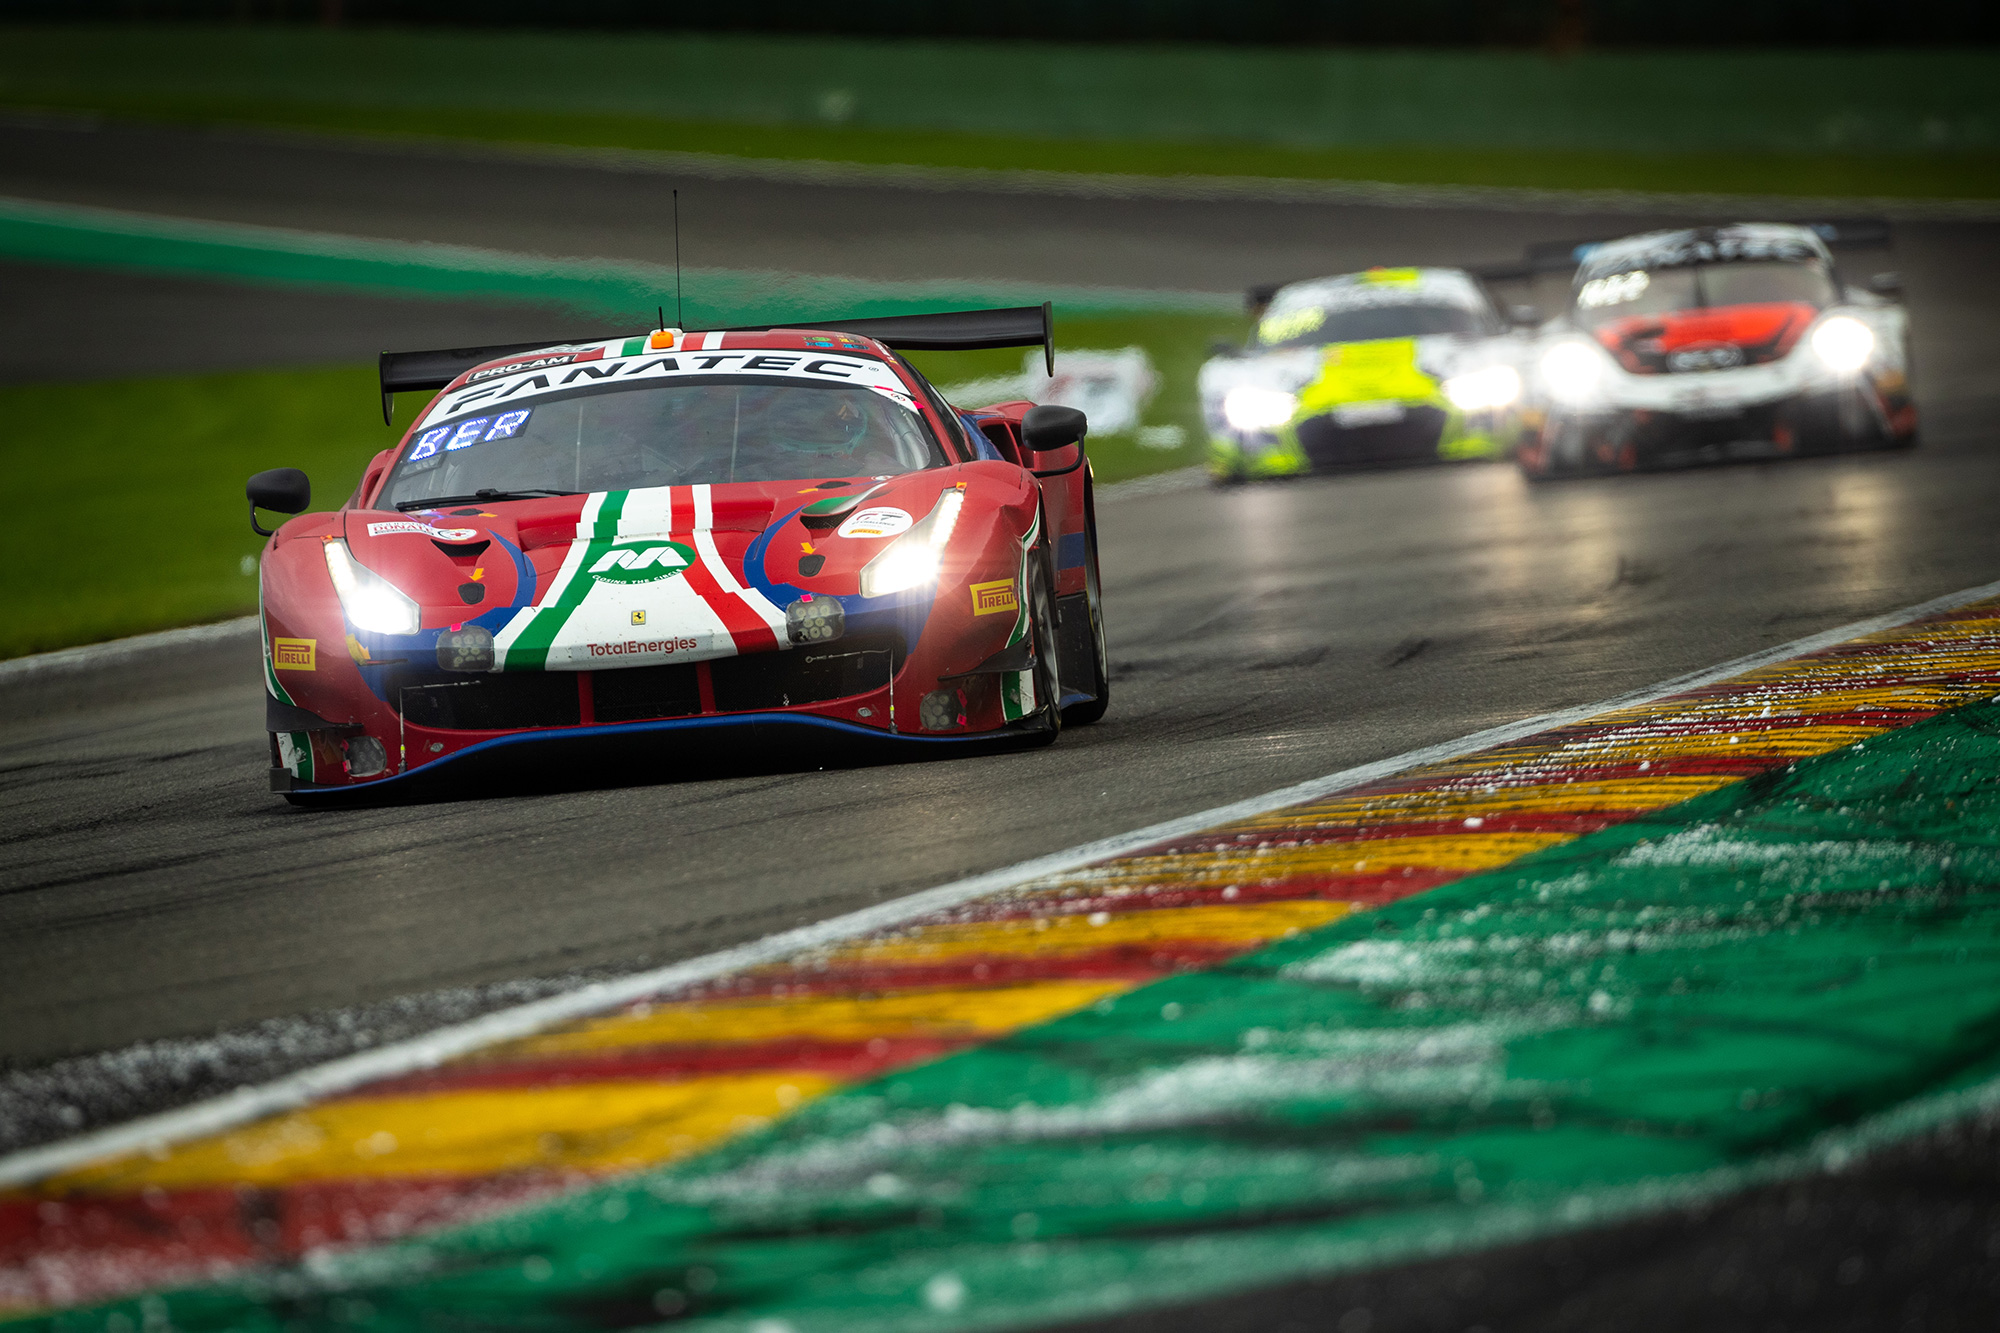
(1414, 433)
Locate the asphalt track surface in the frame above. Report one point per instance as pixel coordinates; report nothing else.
(152, 889)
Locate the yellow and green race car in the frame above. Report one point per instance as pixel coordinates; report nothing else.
(1388, 365)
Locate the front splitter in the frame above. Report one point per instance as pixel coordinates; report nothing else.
(534, 757)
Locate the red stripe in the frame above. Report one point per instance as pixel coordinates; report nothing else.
(750, 632)
(1361, 890)
(73, 1251)
(666, 1064)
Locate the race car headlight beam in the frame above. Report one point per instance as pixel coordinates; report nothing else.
(1249, 407)
(913, 558)
(1483, 390)
(1843, 343)
(370, 601)
(1574, 372)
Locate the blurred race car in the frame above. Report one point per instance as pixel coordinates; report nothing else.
(1716, 342)
(779, 529)
(1394, 364)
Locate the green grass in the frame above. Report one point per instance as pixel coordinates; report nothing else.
(134, 517)
(1962, 175)
(153, 470)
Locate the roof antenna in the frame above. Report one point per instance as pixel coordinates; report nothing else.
(680, 315)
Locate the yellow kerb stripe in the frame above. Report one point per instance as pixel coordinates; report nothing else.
(969, 1012)
(596, 1128)
(1058, 936)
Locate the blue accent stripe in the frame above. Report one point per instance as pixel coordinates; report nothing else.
(1072, 550)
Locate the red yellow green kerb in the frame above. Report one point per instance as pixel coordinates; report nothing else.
(926, 1039)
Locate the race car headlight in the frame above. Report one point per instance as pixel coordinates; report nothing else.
(1248, 407)
(1573, 371)
(1844, 343)
(370, 601)
(1483, 390)
(914, 557)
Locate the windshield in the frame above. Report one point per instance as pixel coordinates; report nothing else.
(702, 429)
(1315, 326)
(1694, 286)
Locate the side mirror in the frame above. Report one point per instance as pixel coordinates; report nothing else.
(1524, 316)
(1886, 284)
(1048, 428)
(282, 490)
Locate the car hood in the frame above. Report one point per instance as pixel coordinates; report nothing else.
(1712, 338)
(1407, 369)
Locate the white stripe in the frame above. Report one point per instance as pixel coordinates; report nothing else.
(648, 512)
(572, 562)
(704, 542)
(425, 1052)
(711, 342)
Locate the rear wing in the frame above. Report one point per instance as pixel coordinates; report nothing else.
(1564, 256)
(951, 331)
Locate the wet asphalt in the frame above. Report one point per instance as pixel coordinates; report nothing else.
(152, 890)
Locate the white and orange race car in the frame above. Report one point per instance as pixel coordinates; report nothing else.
(781, 530)
(1718, 342)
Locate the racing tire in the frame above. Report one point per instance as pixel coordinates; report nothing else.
(1089, 711)
(1047, 722)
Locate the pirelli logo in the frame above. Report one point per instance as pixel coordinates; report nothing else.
(295, 654)
(992, 598)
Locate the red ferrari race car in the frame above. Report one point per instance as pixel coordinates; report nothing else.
(1720, 342)
(779, 529)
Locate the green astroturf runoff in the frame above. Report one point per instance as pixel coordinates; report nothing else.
(1759, 981)
(1903, 123)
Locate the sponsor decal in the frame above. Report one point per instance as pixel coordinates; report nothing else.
(989, 599)
(394, 527)
(514, 367)
(641, 647)
(638, 617)
(1717, 356)
(647, 563)
(523, 381)
(875, 523)
(295, 654)
(896, 396)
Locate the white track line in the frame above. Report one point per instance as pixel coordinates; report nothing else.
(337, 1076)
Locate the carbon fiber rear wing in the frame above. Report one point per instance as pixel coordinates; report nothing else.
(1564, 256)
(951, 331)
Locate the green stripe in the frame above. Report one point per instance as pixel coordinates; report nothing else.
(1653, 1013)
(75, 234)
(530, 649)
